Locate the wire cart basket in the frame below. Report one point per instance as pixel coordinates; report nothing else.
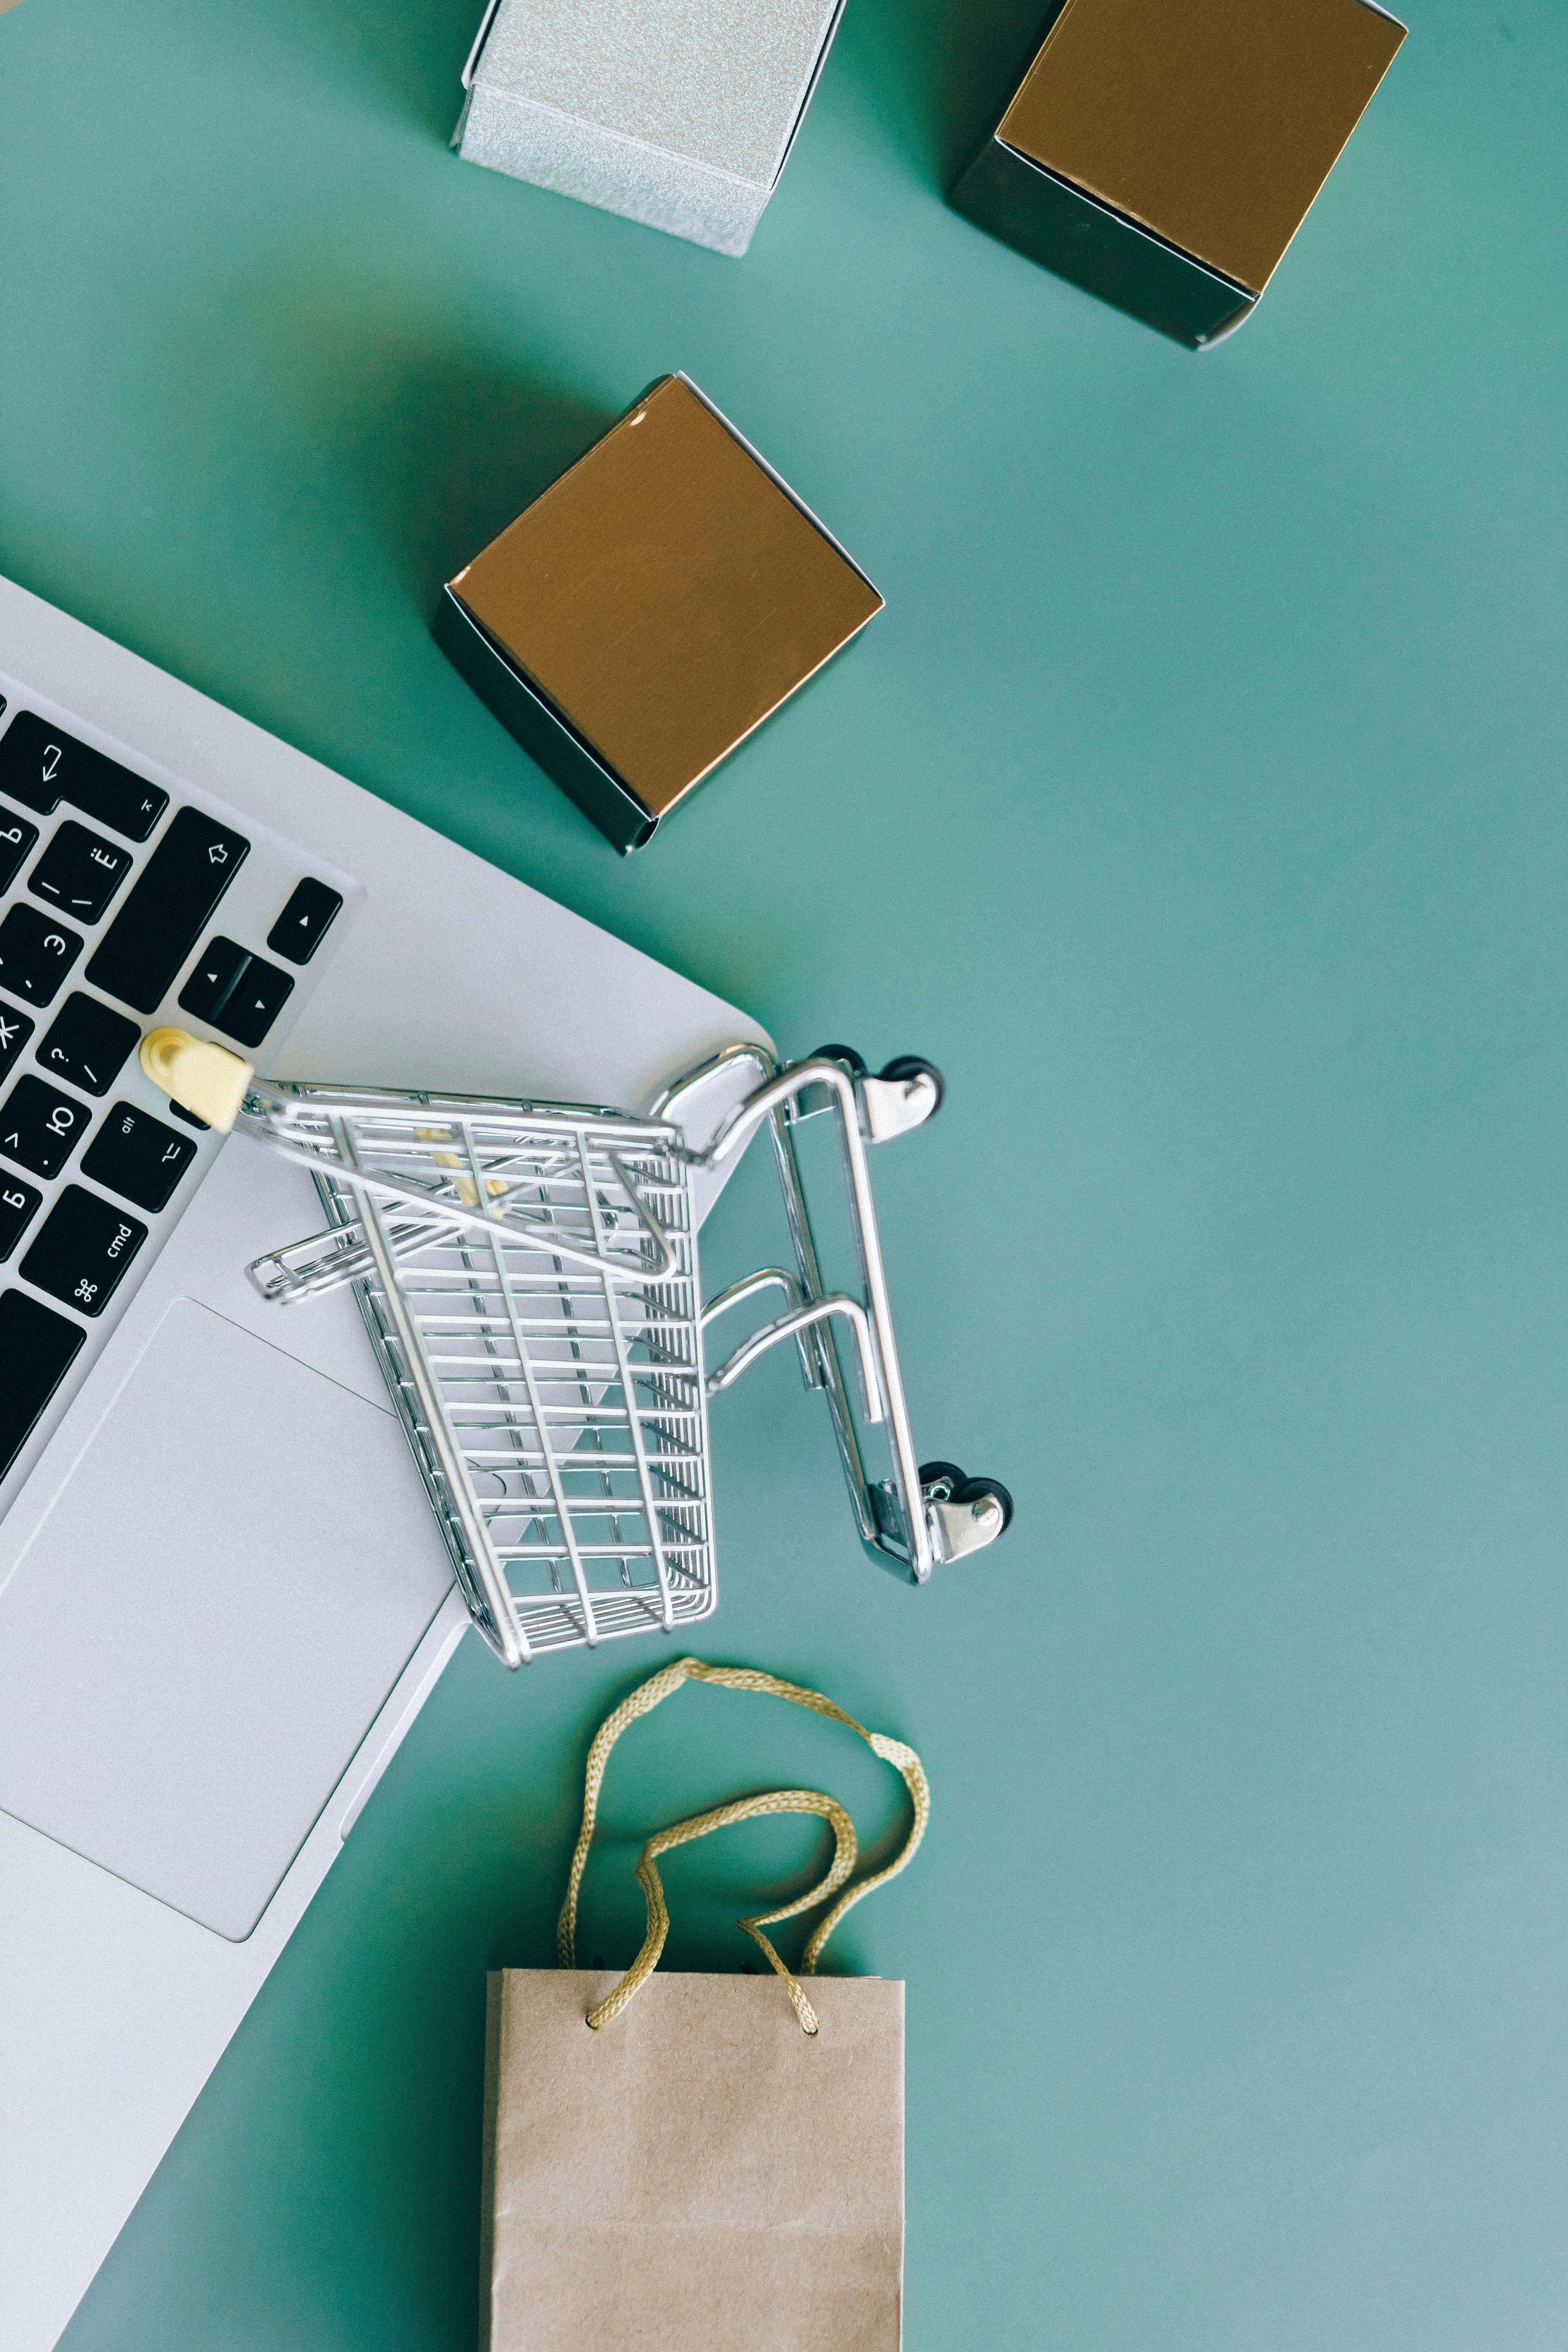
(529, 1276)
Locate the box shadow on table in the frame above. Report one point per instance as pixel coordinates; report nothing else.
(448, 448)
(939, 72)
(413, 54)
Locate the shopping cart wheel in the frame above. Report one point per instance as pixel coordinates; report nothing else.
(977, 1490)
(915, 1065)
(853, 1062)
(951, 1500)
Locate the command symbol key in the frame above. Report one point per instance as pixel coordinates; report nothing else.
(83, 1251)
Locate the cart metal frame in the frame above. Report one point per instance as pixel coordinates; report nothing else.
(528, 1274)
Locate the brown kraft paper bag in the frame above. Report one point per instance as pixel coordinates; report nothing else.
(720, 2161)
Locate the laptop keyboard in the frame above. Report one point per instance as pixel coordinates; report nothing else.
(112, 889)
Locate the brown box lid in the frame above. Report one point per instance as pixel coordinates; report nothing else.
(667, 594)
(1212, 122)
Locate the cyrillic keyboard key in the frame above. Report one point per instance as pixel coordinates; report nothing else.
(35, 953)
(41, 765)
(137, 1156)
(41, 1127)
(89, 1043)
(17, 1202)
(17, 839)
(15, 1031)
(79, 872)
(82, 1250)
(36, 1347)
(168, 908)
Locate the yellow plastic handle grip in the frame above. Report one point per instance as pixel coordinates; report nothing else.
(200, 1076)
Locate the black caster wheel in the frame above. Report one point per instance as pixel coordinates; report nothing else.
(975, 1490)
(915, 1065)
(942, 1474)
(853, 1062)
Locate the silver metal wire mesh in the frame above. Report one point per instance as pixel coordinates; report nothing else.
(545, 1353)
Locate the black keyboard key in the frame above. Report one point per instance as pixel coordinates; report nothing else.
(17, 839)
(241, 994)
(87, 1045)
(79, 872)
(41, 766)
(36, 1347)
(303, 924)
(167, 911)
(83, 1250)
(40, 1127)
(179, 1111)
(35, 953)
(255, 1002)
(15, 1031)
(17, 1202)
(137, 1156)
(211, 983)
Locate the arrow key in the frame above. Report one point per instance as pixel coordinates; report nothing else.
(209, 987)
(254, 1003)
(298, 931)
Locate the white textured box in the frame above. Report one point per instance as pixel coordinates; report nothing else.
(678, 113)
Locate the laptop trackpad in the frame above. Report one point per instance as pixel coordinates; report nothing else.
(189, 1659)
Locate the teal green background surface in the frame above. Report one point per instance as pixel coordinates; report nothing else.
(1197, 804)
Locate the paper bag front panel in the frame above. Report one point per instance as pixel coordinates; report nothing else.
(699, 2174)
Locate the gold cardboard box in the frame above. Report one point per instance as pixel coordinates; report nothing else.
(1162, 153)
(651, 609)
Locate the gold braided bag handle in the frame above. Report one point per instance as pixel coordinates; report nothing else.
(641, 1701)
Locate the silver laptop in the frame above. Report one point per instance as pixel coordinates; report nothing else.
(222, 1600)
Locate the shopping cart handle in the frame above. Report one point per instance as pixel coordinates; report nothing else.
(201, 1076)
(789, 1326)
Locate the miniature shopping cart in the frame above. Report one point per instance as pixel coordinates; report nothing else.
(528, 1274)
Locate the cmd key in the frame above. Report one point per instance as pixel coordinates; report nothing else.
(166, 912)
(83, 1249)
